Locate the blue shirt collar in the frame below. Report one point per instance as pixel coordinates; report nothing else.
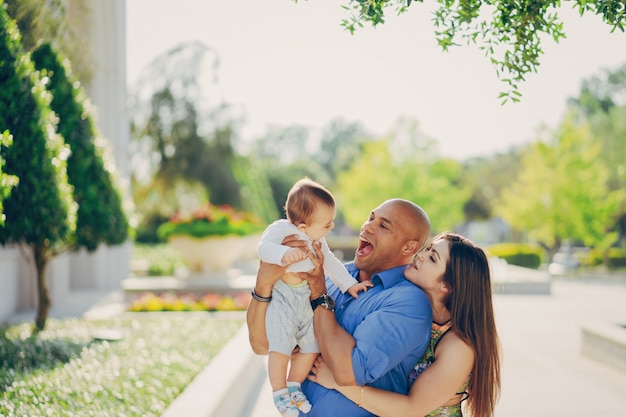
(387, 278)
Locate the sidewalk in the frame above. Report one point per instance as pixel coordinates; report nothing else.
(544, 373)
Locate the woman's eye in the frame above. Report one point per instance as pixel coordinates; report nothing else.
(432, 258)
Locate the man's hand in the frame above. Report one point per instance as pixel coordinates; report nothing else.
(315, 278)
(321, 374)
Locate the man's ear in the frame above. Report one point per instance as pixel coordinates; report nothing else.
(411, 247)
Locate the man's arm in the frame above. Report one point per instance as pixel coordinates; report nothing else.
(267, 276)
(335, 343)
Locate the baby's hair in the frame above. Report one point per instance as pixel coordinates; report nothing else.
(303, 198)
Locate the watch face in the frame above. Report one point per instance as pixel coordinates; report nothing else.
(326, 301)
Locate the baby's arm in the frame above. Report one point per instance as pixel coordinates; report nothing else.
(271, 249)
(293, 255)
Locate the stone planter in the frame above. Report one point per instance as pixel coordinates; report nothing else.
(214, 253)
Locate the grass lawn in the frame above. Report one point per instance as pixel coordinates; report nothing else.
(66, 371)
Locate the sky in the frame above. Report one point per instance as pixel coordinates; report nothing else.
(283, 63)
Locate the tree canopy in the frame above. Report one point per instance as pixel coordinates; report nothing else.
(510, 32)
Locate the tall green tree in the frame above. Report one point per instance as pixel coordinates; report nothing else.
(289, 153)
(562, 193)
(7, 182)
(487, 177)
(509, 32)
(183, 141)
(403, 165)
(90, 167)
(40, 211)
(602, 104)
(63, 21)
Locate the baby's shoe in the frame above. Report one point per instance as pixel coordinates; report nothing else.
(298, 397)
(284, 404)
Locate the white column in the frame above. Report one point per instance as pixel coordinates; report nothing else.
(108, 266)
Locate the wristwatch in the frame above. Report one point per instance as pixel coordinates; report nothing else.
(326, 301)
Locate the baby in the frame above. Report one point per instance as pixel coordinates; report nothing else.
(310, 210)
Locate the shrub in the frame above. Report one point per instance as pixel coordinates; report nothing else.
(615, 258)
(521, 254)
(160, 259)
(211, 220)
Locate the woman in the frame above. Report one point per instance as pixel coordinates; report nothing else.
(463, 360)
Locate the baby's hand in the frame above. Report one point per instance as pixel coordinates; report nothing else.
(359, 286)
(293, 255)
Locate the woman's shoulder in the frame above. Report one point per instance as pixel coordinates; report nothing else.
(451, 344)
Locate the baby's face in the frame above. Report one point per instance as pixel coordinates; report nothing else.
(322, 222)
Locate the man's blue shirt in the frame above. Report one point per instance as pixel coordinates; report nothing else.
(391, 324)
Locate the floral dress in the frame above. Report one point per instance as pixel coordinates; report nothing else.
(436, 333)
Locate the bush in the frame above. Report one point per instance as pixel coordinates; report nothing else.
(616, 258)
(161, 259)
(521, 254)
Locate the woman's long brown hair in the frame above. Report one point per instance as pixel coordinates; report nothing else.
(468, 277)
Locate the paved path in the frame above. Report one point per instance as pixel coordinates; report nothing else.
(544, 373)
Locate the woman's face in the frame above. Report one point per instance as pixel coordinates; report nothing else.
(429, 265)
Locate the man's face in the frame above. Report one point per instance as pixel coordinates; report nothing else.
(383, 236)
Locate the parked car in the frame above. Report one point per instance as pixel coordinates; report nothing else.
(563, 262)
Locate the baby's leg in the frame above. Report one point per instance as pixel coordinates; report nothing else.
(301, 364)
(277, 364)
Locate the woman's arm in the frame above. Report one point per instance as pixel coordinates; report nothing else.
(433, 388)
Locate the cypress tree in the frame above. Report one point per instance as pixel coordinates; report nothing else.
(40, 212)
(101, 218)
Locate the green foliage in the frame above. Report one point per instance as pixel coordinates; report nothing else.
(509, 32)
(521, 254)
(487, 177)
(613, 258)
(183, 143)
(40, 210)
(405, 165)
(7, 182)
(210, 220)
(161, 259)
(60, 21)
(66, 372)
(561, 192)
(601, 103)
(90, 167)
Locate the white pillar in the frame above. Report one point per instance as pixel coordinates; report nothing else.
(108, 266)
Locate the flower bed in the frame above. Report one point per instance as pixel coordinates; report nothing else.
(170, 301)
(210, 220)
